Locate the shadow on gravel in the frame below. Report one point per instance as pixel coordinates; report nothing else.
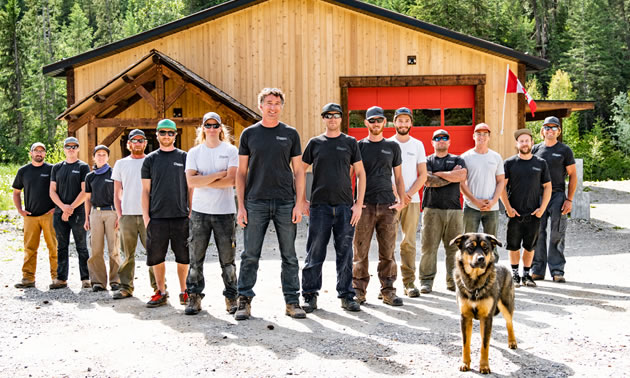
(610, 196)
(84, 299)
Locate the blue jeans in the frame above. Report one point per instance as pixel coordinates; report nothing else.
(323, 220)
(259, 214)
(223, 227)
(62, 230)
(489, 220)
(554, 255)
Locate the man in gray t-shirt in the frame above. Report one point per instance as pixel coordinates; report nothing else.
(483, 186)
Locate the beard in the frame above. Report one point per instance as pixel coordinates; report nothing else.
(166, 142)
(376, 130)
(38, 159)
(525, 150)
(403, 130)
(441, 149)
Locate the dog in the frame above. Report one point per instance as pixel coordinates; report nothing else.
(483, 290)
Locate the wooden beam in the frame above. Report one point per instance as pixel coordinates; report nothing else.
(522, 102)
(71, 117)
(170, 100)
(113, 136)
(142, 91)
(480, 104)
(128, 79)
(143, 122)
(159, 92)
(99, 98)
(70, 93)
(411, 81)
(345, 121)
(92, 135)
(125, 104)
(541, 115)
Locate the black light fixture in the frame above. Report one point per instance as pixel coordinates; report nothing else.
(411, 60)
(178, 113)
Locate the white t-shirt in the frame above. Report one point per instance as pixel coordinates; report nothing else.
(483, 170)
(206, 161)
(127, 171)
(412, 153)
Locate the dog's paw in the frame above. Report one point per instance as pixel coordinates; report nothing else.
(464, 367)
(512, 344)
(484, 369)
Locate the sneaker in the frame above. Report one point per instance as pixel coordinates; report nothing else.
(360, 297)
(158, 299)
(537, 277)
(244, 308)
(114, 286)
(183, 298)
(350, 304)
(24, 284)
(97, 287)
(517, 280)
(425, 288)
(85, 284)
(310, 303)
(392, 300)
(528, 281)
(230, 305)
(295, 311)
(58, 285)
(121, 294)
(411, 290)
(194, 304)
(559, 278)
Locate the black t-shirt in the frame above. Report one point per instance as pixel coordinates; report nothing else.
(169, 190)
(445, 197)
(69, 178)
(36, 184)
(525, 182)
(557, 157)
(378, 159)
(270, 149)
(331, 159)
(101, 187)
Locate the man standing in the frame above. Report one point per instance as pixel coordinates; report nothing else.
(34, 179)
(128, 203)
(332, 155)
(165, 210)
(560, 162)
(266, 191)
(414, 172)
(67, 191)
(101, 219)
(442, 211)
(483, 185)
(380, 157)
(526, 181)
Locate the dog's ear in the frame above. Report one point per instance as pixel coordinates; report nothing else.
(459, 240)
(494, 241)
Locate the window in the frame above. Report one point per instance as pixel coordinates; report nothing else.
(458, 117)
(427, 117)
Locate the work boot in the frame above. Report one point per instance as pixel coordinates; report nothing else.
(360, 295)
(295, 311)
(244, 308)
(230, 305)
(85, 284)
(392, 299)
(24, 284)
(57, 284)
(194, 304)
(411, 291)
(97, 287)
(537, 277)
(121, 294)
(350, 304)
(425, 288)
(310, 303)
(183, 298)
(559, 278)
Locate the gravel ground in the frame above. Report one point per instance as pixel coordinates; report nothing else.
(573, 329)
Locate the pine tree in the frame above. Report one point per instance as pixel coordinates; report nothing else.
(77, 34)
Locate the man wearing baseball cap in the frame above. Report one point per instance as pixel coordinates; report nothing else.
(380, 158)
(67, 190)
(414, 172)
(561, 163)
(526, 182)
(34, 180)
(165, 210)
(483, 185)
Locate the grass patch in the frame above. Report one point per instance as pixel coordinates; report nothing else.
(7, 174)
(617, 227)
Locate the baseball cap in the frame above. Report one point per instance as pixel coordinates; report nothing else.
(482, 126)
(552, 121)
(211, 115)
(70, 140)
(403, 111)
(166, 124)
(37, 144)
(520, 132)
(374, 112)
(136, 132)
(331, 107)
(101, 147)
(440, 132)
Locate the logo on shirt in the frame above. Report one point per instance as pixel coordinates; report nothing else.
(555, 154)
(281, 138)
(178, 164)
(536, 169)
(341, 148)
(411, 154)
(73, 171)
(44, 175)
(223, 157)
(451, 161)
(386, 152)
(108, 180)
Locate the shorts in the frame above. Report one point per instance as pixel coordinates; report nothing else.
(160, 232)
(523, 229)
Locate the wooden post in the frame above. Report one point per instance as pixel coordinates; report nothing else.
(91, 141)
(522, 101)
(70, 95)
(159, 92)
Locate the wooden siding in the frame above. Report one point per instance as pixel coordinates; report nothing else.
(303, 47)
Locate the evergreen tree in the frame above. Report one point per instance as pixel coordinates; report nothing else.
(108, 21)
(561, 88)
(77, 33)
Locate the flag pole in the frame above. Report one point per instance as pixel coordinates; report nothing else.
(504, 98)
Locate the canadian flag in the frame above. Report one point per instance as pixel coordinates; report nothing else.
(515, 86)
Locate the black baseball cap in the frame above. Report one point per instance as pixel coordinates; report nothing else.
(331, 108)
(100, 147)
(374, 112)
(403, 111)
(136, 132)
(552, 121)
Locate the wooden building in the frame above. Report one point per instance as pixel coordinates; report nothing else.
(316, 51)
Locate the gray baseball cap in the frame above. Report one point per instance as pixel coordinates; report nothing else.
(331, 108)
(403, 111)
(37, 144)
(211, 115)
(440, 132)
(520, 132)
(70, 140)
(374, 112)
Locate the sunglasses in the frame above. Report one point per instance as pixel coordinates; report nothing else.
(71, 147)
(441, 138)
(137, 141)
(332, 115)
(169, 133)
(554, 128)
(376, 120)
(211, 125)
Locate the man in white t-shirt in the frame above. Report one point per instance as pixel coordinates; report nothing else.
(414, 172)
(210, 169)
(483, 186)
(127, 194)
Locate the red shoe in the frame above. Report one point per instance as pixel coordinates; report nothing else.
(183, 298)
(157, 300)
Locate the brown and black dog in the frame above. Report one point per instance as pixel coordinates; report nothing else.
(483, 290)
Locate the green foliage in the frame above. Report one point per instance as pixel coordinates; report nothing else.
(621, 121)
(7, 174)
(602, 161)
(561, 88)
(77, 33)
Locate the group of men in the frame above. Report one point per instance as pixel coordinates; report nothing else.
(170, 197)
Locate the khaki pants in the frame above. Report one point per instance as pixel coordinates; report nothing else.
(439, 225)
(131, 226)
(33, 227)
(103, 225)
(409, 217)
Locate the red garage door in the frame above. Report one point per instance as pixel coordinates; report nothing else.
(448, 107)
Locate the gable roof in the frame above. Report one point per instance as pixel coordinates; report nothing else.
(58, 68)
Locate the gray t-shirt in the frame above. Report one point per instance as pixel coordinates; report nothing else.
(483, 170)
(127, 171)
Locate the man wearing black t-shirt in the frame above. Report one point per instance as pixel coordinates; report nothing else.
(266, 191)
(380, 212)
(442, 217)
(332, 155)
(559, 158)
(165, 210)
(34, 179)
(526, 182)
(67, 191)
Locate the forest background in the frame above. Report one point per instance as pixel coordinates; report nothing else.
(586, 41)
